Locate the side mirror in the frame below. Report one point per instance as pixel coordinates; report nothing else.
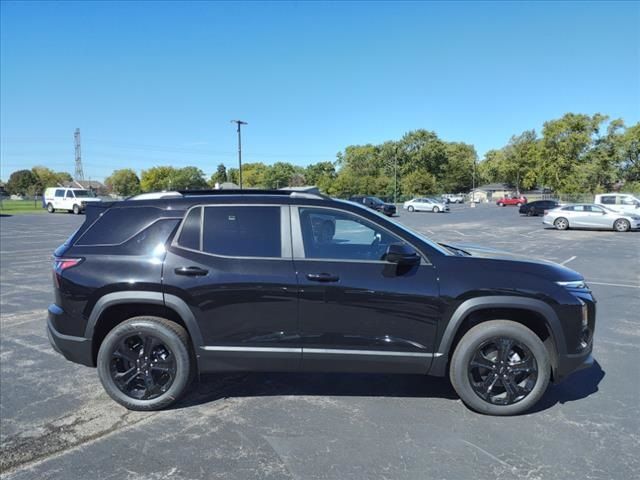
(402, 254)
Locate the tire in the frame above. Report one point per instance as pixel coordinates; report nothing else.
(410, 208)
(436, 210)
(76, 210)
(528, 384)
(170, 346)
(561, 223)
(531, 213)
(50, 208)
(621, 225)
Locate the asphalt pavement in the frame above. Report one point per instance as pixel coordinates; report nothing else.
(57, 422)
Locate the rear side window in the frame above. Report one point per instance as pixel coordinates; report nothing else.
(154, 236)
(59, 193)
(242, 231)
(190, 233)
(608, 200)
(118, 225)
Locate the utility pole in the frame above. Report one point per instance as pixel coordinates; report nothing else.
(240, 123)
(473, 185)
(79, 173)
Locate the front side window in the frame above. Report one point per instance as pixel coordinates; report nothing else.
(59, 193)
(70, 194)
(627, 201)
(330, 234)
(242, 231)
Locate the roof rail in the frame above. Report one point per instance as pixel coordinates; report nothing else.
(253, 191)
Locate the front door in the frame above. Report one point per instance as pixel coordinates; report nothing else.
(232, 265)
(357, 311)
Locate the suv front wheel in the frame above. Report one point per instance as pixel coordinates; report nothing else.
(144, 363)
(500, 367)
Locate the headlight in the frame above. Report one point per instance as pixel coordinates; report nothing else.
(573, 285)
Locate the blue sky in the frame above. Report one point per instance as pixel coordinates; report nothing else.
(157, 83)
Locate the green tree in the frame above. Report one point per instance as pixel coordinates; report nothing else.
(23, 182)
(566, 145)
(317, 173)
(253, 175)
(630, 154)
(158, 179)
(49, 178)
(418, 183)
(279, 175)
(123, 182)
(220, 175)
(189, 178)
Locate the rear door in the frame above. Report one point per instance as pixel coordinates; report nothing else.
(232, 265)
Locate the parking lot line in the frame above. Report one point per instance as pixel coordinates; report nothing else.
(568, 260)
(613, 284)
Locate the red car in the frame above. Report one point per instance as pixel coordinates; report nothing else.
(518, 201)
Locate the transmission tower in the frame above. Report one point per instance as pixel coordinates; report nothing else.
(79, 173)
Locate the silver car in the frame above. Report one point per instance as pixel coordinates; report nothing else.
(590, 216)
(426, 205)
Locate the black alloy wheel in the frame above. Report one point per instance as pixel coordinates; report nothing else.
(503, 371)
(142, 367)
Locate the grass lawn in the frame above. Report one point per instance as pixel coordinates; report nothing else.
(12, 207)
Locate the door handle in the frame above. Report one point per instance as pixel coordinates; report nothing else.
(191, 271)
(322, 277)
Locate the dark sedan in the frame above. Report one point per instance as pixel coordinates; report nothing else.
(538, 207)
(375, 204)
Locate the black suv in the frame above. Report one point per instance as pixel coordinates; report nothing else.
(154, 291)
(376, 204)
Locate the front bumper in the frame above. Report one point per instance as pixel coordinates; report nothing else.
(74, 349)
(568, 364)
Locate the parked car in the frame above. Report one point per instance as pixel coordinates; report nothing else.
(375, 203)
(454, 197)
(424, 204)
(538, 207)
(590, 216)
(517, 201)
(70, 199)
(152, 292)
(619, 202)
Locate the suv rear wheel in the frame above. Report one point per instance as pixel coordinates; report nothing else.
(144, 363)
(50, 208)
(76, 209)
(500, 367)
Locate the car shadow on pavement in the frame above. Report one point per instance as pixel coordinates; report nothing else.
(577, 386)
(212, 387)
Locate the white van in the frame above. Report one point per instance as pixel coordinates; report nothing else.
(70, 199)
(619, 202)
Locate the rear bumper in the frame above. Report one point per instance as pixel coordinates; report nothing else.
(74, 349)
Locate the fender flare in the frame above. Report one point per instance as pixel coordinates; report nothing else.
(156, 298)
(441, 360)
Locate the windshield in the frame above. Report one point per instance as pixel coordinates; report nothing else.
(376, 200)
(84, 193)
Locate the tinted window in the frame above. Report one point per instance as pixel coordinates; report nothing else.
(117, 225)
(152, 237)
(331, 234)
(83, 193)
(69, 194)
(570, 209)
(190, 233)
(608, 200)
(60, 193)
(241, 231)
(594, 209)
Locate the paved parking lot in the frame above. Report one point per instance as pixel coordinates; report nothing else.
(58, 423)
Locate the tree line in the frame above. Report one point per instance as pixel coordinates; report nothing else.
(576, 153)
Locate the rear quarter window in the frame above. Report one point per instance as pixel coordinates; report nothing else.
(118, 225)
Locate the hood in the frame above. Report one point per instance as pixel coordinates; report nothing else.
(538, 266)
